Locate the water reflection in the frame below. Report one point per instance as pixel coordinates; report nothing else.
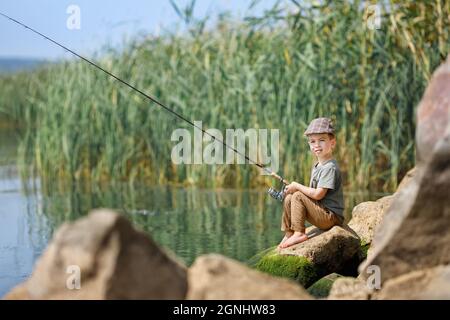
(188, 221)
(24, 232)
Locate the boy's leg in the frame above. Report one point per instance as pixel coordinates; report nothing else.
(297, 222)
(304, 208)
(286, 219)
(313, 212)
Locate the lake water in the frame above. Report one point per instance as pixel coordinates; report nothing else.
(189, 222)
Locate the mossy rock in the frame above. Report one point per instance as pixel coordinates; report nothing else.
(321, 288)
(296, 268)
(253, 261)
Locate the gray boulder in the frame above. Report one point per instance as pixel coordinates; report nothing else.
(219, 278)
(414, 232)
(431, 283)
(366, 217)
(433, 113)
(114, 262)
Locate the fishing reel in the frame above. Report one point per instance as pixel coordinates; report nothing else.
(278, 195)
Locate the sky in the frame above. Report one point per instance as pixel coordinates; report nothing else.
(101, 22)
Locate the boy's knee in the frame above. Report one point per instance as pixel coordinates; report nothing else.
(298, 196)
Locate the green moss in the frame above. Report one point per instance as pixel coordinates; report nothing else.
(297, 268)
(252, 262)
(321, 288)
(364, 248)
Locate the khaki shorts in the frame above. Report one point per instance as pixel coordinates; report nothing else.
(298, 208)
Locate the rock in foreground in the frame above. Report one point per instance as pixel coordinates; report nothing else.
(433, 113)
(115, 262)
(414, 232)
(215, 277)
(432, 283)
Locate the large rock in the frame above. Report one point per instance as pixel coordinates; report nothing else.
(366, 217)
(219, 278)
(329, 250)
(432, 283)
(414, 232)
(433, 113)
(115, 262)
(323, 253)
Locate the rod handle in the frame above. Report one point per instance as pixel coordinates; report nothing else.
(279, 178)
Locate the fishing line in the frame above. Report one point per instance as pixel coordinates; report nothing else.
(154, 100)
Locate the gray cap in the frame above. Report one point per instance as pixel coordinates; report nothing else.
(320, 125)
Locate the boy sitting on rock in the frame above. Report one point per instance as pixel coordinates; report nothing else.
(322, 203)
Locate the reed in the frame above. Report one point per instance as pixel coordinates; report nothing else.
(278, 71)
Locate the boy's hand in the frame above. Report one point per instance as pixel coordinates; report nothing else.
(291, 188)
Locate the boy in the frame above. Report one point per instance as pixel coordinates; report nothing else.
(322, 203)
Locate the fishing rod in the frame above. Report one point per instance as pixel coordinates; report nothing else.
(279, 195)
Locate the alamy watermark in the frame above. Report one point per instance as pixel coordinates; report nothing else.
(374, 280)
(360, 288)
(207, 148)
(73, 281)
(73, 22)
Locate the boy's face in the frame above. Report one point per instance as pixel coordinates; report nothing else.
(321, 144)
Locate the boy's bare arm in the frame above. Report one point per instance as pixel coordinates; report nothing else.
(313, 193)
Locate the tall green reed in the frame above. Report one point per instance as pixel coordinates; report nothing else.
(317, 61)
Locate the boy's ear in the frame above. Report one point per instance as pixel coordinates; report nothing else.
(333, 141)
